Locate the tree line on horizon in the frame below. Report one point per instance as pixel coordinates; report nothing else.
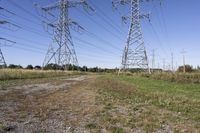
(71, 67)
(68, 67)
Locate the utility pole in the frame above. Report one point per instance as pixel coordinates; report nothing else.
(172, 61)
(176, 65)
(183, 53)
(153, 59)
(62, 51)
(164, 64)
(158, 65)
(134, 54)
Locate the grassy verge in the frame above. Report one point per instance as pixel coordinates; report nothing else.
(138, 104)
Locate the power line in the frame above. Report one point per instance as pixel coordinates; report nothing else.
(40, 52)
(89, 33)
(165, 26)
(87, 43)
(81, 44)
(19, 16)
(101, 25)
(27, 49)
(27, 28)
(99, 59)
(38, 48)
(91, 44)
(92, 34)
(157, 37)
(24, 39)
(23, 9)
(23, 26)
(102, 40)
(28, 45)
(157, 14)
(106, 18)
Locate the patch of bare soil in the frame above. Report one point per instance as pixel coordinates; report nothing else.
(64, 105)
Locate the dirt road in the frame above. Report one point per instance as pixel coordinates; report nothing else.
(62, 105)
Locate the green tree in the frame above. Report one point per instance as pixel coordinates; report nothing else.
(29, 67)
(13, 66)
(38, 67)
(188, 68)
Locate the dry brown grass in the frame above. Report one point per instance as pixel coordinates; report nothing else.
(11, 74)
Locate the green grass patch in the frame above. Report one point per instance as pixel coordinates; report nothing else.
(91, 126)
(152, 104)
(174, 77)
(116, 130)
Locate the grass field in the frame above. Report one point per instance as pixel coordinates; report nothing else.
(11, 74)
(175, 77)
(12, 77)
(98, 103)
(143, 104)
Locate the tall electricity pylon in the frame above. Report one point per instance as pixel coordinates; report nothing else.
(183, 52)
(153, 60)
(6, 41)
(134, 54)
(2, 60)
(62, 49)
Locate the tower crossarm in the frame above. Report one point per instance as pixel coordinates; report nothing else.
(69, 4)
(6, 22)
(3, 22)
(1, 38)
(1, 8)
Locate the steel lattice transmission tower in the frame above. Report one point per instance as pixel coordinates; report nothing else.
(6, 43)
(2, 60)
(134, 54)
(62, 49)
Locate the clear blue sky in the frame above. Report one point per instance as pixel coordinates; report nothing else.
(176, 26)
